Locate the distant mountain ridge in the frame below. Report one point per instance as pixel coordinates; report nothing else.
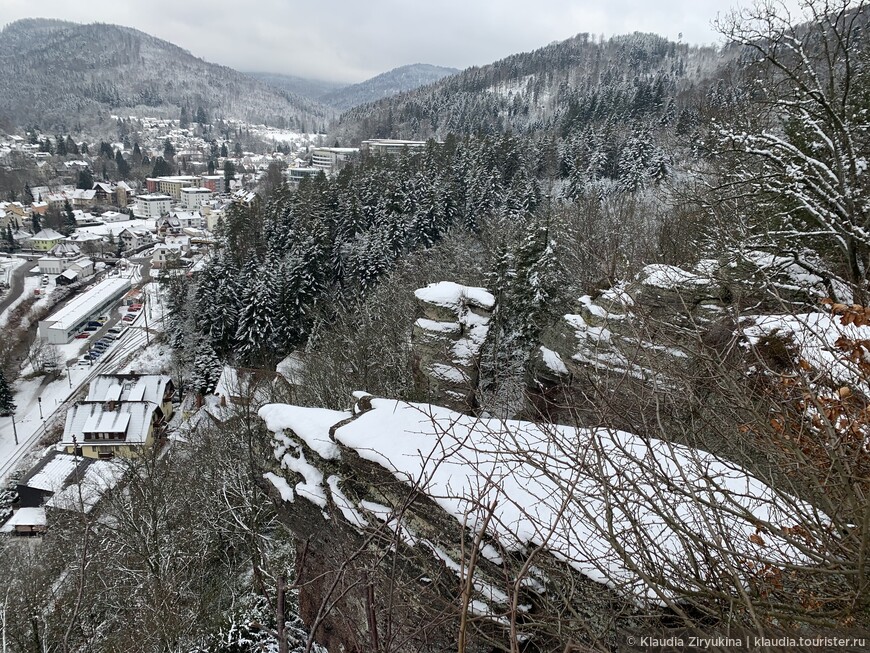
(392, 82)
(59, 74)
(312, 89)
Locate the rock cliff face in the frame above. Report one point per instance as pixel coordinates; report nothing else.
(447, 339)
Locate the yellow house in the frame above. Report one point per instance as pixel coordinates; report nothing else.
(46, 239)
(121, 416)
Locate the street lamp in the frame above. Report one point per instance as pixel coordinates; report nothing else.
(14, 430)
(39, 401)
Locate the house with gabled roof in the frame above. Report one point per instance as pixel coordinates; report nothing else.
(122, 415)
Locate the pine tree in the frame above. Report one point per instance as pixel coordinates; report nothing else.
(10, 239)
(168, 149)
(35, 223)
(123, 166)
(229, 173)
(224, 151)
(161, 168)
(7, 404)
(70, 221)
(28, 195)
(258, 318)
(207, 368)
(184, 122)
(85, 180)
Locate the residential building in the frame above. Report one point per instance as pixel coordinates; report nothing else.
(164, 255)
(135, 237)
(45, 240)
(169, 225)
(189, 219)
(121, 415)
(171, 186)
(194, 197)
(152, 205)
(215, 183)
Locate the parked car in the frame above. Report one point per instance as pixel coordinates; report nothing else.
(134, 308)
(110, 337)
(84, 360)
(91, 328)
(95, 323)
(129, 317)
(95, 353)
(83, 334)
(115, 330)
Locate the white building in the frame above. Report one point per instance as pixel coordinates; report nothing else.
(390, 146)
(135, 237)
(164, 254)
(193, 198)
(61, 326)
(189, 219)
(151, 205)
(331, 158)
(296, 175)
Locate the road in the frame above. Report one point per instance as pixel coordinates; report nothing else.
(17, 285)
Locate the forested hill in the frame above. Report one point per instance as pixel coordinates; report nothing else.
(60, 75)
(567, 85)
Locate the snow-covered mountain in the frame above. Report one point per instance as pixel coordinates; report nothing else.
(60, 75)
(392, 82)
(562, 86)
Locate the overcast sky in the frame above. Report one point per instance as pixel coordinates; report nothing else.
(352, 40)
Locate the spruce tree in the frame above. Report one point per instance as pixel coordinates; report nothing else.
(7, 405)
(207, 368)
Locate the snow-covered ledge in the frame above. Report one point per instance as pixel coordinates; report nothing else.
(642, 520)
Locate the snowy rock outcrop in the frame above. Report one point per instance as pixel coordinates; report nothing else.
(447, 339)
(405, 498)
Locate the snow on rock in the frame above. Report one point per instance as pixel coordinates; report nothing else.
(453, 295)
(310, 424)
(448, 338)
(553, 486)
(351, 514)
(553, 361)
(669, 277)
(281, 485)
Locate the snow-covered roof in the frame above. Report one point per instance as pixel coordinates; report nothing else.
(53, 475)
(48, 234)
(99, 477)
(87, 303)
(565, 489)
(132, 419)
(25, 517)
(128, 387)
